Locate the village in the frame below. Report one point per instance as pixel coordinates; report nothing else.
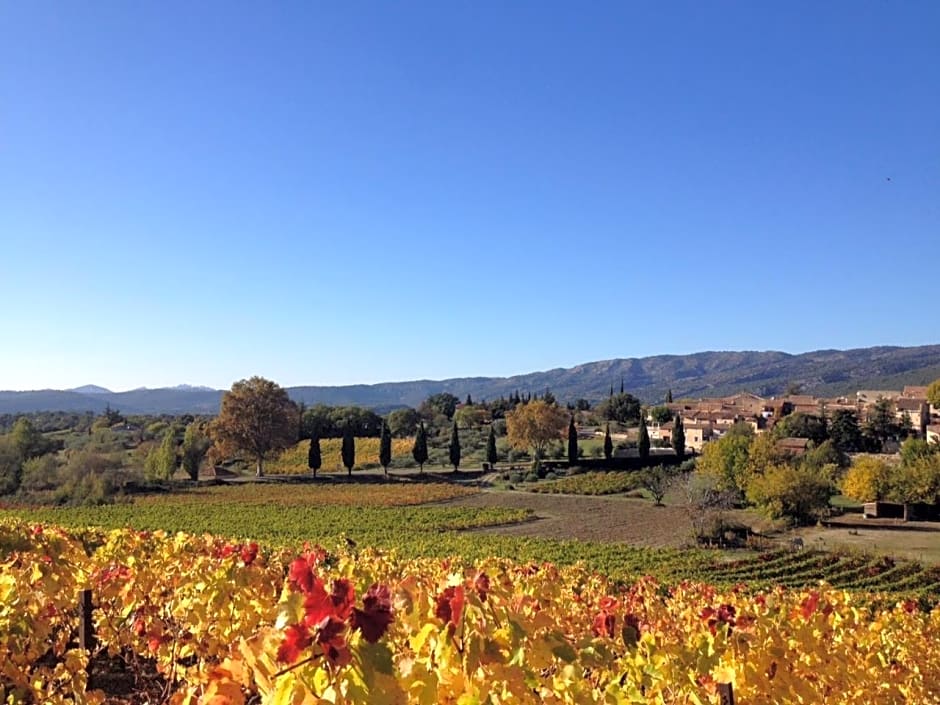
(709, 419)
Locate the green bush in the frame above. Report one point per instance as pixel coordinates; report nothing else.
(40, 473)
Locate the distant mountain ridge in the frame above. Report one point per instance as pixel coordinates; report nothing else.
(90, 389)
(704, 374)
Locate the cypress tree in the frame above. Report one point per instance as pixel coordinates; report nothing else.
(572, 444)
(621, 384)
(491, 455)
(669, 397)
(420, 450)
(314, 460)
(349, 449)
(643, 442)
(469, 401)
(385, 448)
(608, 444)
(454, 448)
(678, 437)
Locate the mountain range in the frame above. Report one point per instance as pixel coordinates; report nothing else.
(704, 374)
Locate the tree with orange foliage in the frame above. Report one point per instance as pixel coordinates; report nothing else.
(258, 418)
(535, 425)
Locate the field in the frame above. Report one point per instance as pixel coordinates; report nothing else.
(197, 619)
(294, 460)
(591, 483)
(622, 538)
(405, 591)
(381, 515)
(917, 545)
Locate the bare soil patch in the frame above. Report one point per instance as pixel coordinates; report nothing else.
(634, 521)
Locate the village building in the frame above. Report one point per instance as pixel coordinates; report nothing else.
(933, 434)
(793, 446)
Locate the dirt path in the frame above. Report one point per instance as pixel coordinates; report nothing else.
(585, 518)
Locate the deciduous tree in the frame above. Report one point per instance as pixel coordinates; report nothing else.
(257, 417)
(470, 416)
(195, 446)
(868, 479)
(28, 441)
(161, 462)
(794, 491)
(661, 414)
(726, 460)
(657, 481)
(11, 467)
(933, 393)
(800, 425)
(403, 422)
(535, 425)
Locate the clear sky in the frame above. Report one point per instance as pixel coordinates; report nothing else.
(346, 192)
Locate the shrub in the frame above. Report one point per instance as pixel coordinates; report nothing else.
(40, 473)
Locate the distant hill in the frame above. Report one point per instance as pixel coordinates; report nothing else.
(137, 401)
(90, 389)
(705, 374)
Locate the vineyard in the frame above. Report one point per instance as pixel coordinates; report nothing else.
(201, 619)
(591, 483)
(413, 521)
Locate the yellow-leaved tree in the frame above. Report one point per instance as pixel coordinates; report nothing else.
(727, 460)
(869, 479)
(535, 425)
(933, 393)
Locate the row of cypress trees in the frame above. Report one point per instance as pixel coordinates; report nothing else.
(419, 451)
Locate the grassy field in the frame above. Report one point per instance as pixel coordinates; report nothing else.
(293, 461)
(914, 545)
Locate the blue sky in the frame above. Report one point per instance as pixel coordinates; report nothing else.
(362, 192)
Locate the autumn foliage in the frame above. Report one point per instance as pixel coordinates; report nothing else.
(535, 425)
(229, 622)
